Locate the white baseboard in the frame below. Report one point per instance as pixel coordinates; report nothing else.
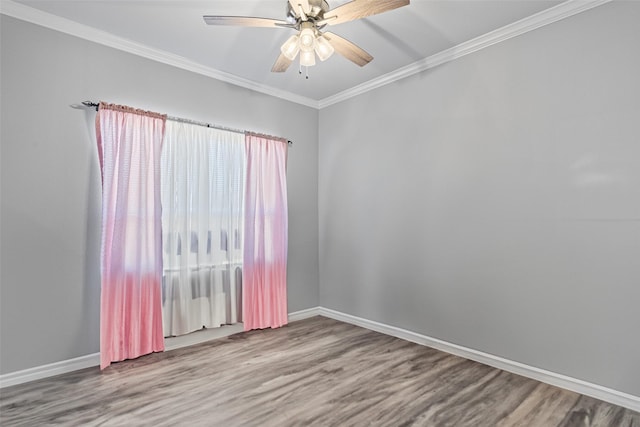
(579, 386)
(200, 336)
(49, 370)
(304, 314)
(91, 360)
(568, 383)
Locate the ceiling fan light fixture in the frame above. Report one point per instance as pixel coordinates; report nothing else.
(324, 49)
(307, 58)
(291, 47)
(307, 40)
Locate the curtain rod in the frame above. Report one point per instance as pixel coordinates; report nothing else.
(181, 120)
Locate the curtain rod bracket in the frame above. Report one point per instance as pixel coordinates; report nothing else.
(90, 104)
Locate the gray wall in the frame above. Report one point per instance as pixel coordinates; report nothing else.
(494, 201)
(50, 225)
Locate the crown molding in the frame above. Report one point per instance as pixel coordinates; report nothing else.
(530, 23)
(44, 19)
(545, 17)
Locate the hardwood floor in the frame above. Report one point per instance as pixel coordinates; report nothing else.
(315, 372)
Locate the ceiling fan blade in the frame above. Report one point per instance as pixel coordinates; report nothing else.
(347, 49)
(281, 64)
(358, 9)
(245, 21)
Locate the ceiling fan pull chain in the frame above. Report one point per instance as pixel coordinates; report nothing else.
(307, 73)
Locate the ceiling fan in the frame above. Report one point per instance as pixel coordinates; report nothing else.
(308, 18)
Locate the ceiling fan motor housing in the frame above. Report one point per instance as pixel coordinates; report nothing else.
(317, 9)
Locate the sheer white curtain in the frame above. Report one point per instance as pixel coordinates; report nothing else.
(202, 185)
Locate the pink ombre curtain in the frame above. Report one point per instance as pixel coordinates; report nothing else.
(264, 271)
(129, 143)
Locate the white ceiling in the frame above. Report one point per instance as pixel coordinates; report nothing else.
(396, 38)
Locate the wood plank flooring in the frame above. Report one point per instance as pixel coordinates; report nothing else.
(315, 372)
